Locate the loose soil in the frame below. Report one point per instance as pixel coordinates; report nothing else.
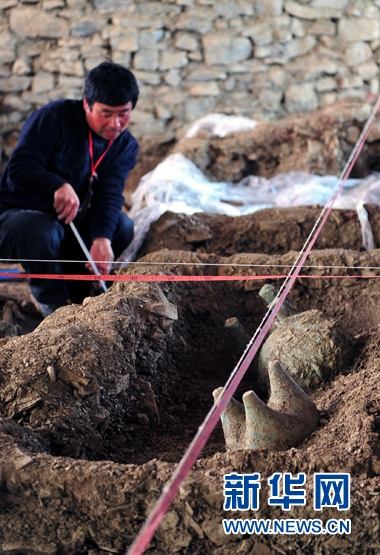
(101, 399)
(132, 386)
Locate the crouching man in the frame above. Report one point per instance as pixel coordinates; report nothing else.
(70, 164)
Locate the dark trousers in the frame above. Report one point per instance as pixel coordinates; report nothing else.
(42, 243)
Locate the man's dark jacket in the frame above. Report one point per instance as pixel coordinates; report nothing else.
(53, 149)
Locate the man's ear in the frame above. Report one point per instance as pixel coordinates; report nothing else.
(86, 105)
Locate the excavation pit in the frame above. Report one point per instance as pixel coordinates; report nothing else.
(101, 400)
(114, 378)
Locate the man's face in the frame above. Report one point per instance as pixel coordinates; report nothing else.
(108, 121)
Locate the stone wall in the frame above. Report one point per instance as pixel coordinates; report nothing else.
(260, 58)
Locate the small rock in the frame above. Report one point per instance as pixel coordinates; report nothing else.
(51, 371)
(8, 330)
(66, 376)
(20, 459)
(27, 403)
(167, 310)
(149, 400)
(4, 341)
(128, 368)
(143, 419)
(156, 333)
(198, 237)
(215, 532)
(10, 309)
(99, 416)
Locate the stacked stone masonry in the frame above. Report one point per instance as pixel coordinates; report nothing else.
(262, 59)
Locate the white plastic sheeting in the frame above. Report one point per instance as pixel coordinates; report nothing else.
(179, 186)
(220, 125)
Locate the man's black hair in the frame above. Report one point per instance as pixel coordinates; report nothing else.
(111, 84)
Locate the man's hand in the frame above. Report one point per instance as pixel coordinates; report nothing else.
(101, 250)
(66, 203)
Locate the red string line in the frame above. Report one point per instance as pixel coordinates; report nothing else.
(172, 278)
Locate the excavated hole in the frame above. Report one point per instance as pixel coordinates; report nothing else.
(172, 366)
(190, 363)
(200, 357)
(202, 353)
(117, 335)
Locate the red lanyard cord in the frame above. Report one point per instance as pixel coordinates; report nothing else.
(87, 200)
(90, 148)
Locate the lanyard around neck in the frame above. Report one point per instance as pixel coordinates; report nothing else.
(94, 166)
(87, 200)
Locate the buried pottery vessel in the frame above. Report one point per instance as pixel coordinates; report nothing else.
(285, 421)
(271, 296)
(312, 348)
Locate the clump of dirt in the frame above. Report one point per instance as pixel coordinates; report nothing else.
(97, 381)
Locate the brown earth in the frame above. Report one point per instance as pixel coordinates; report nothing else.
(99, 401)
(108, 357)
(269, 231)
(319, 142)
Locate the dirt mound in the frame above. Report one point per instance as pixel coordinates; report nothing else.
(319, 142)
(269, 231)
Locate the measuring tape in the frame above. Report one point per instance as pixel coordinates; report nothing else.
(170, 278)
